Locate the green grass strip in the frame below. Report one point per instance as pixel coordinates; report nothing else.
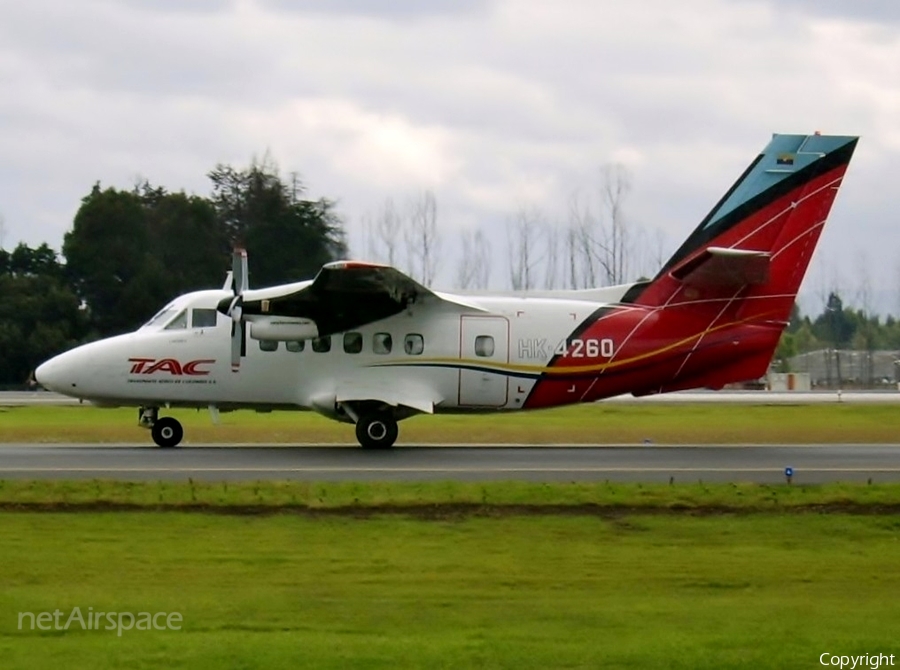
(429, 497)
(603, 423)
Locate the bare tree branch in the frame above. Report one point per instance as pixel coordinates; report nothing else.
(614, 247)
(422, 238)
(474, 268)
(551, 254)
(483, 263)
(522, 235)
(383, 234)
(465, 269)
(580, 243)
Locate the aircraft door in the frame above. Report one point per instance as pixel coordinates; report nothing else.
(484, 342)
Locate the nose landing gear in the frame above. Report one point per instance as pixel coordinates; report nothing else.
(166, 431)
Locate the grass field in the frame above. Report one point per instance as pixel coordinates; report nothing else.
(521, 591)
(454, 574)
(618, 423)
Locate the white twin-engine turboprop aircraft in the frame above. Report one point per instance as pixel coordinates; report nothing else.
(365, 344)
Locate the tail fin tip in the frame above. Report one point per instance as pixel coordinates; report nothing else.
(783, 196)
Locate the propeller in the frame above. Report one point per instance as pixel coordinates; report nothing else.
(235, 308)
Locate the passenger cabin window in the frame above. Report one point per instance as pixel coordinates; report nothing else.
(322, 345)
(179, 322)
(295, 345)
(353, 343)
(203, 317)
(484, 346)
(268, 345)
(382, 343)
(414, 344)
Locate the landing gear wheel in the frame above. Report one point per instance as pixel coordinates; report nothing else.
(377, 431)
(167, 432)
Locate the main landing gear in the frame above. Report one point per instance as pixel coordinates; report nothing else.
(166, 431)
(376, 431)
(376, 422)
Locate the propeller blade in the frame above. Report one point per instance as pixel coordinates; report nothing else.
(238, 344)
(239, 270)
(235, 308)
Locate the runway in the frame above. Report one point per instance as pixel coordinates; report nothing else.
(765, 464)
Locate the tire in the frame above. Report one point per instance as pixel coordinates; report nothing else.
(377, 431)
(167, 432)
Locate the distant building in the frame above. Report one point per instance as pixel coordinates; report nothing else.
(789, 381)
(848, 367)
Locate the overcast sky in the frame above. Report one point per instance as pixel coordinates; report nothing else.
(494, 106)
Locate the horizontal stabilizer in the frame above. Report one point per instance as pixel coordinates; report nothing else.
(717, 267)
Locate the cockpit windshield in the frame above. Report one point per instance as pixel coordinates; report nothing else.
(191, 311)
(171, 317)
(161, 316)
(179, 322)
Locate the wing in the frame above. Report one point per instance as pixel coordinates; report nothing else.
(343, 296)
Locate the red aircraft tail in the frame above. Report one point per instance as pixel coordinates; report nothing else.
(715, 312)
(740, 270)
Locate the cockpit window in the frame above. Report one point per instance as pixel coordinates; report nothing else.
(203, 317)
(179, 322)
(161, 316)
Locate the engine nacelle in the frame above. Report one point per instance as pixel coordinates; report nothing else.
(282, 329)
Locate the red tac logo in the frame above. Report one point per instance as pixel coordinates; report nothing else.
(148, 366)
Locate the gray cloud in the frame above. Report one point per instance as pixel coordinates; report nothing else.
(492, 105)
(174, 6)
(385, 9)
(875, 11)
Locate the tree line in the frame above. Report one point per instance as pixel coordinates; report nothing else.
(131, 251)
(836, 327)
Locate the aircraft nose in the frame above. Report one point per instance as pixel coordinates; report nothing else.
(52, 375)
(84, 371)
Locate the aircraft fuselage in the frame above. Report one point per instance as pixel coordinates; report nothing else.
(428, 355)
